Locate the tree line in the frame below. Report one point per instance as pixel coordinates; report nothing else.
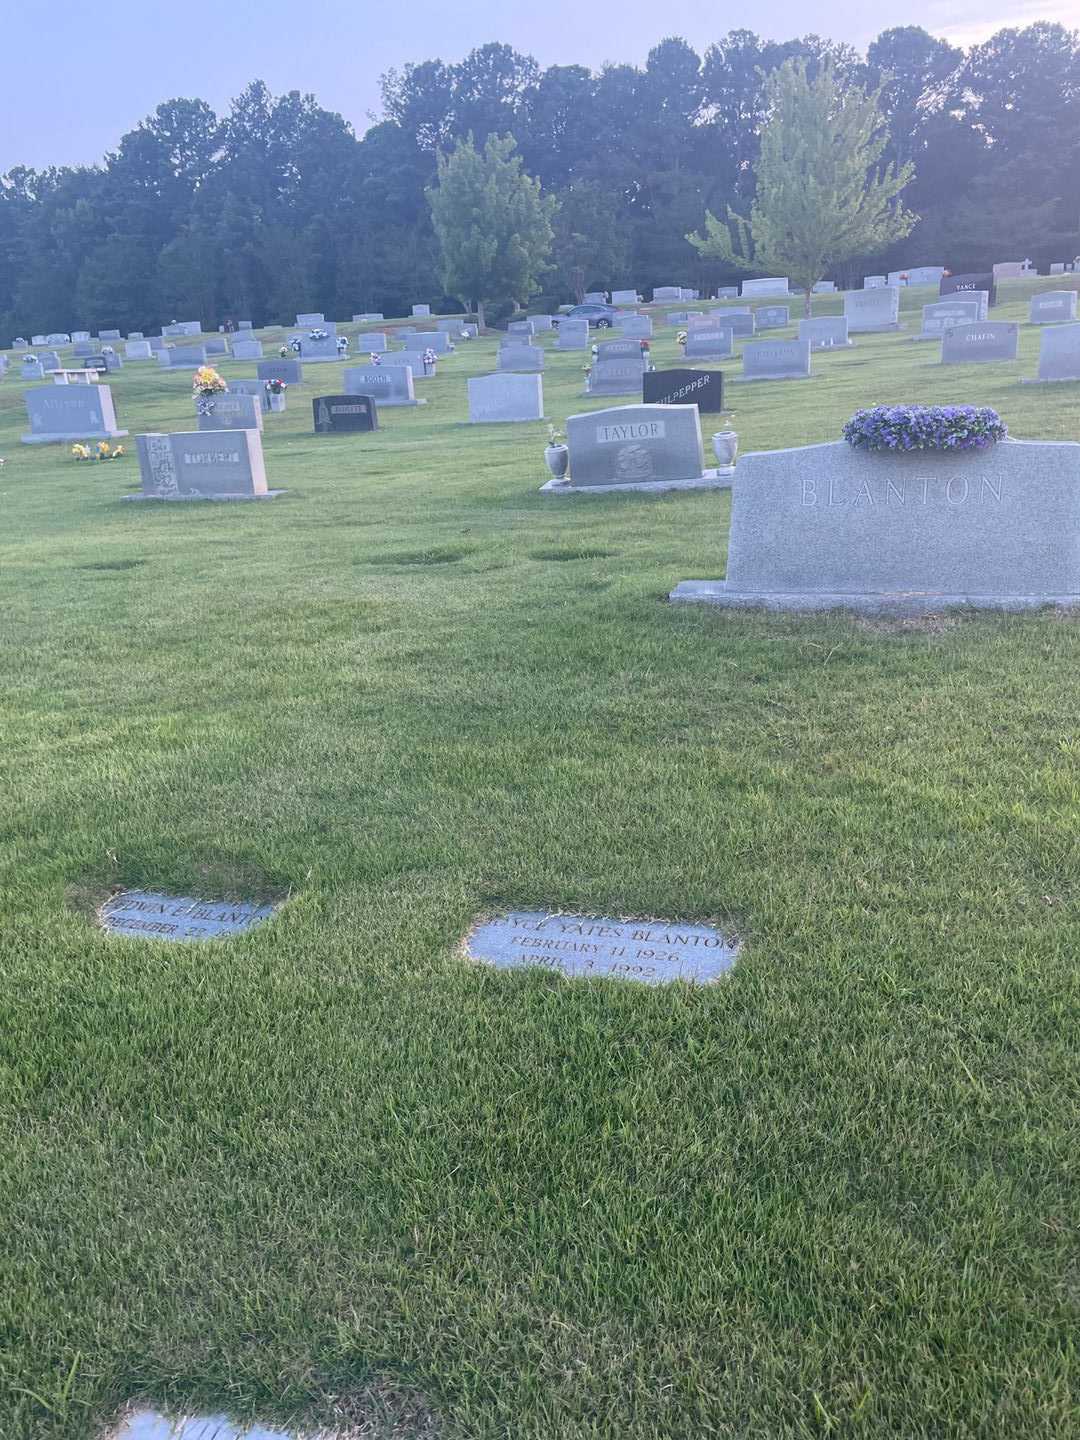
(278, 206)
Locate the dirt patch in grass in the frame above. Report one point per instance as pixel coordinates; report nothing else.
(571, 553)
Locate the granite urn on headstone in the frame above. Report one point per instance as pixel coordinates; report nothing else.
(703, 388)
(870, 311)
(828, 526)
(980, 341)
(826, 332)
(775, 360)
(194, 465)
(341, 414)
(1052, 306)
(386, 384)
(81, 412)
(505, 398)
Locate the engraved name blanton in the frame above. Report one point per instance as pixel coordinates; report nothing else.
(956, 490)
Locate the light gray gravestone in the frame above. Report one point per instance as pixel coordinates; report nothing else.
(421, 310)
(32, 369)
(413, 359)
(743, 323)
(182, 357)
(76, 336)
(528, 359)
(436, 340)
(826, 332)
(622, 349)
(371, 342)
(109, 335)
(19, 343)
(232, 411)
(825, 287)
(876, 309)
(1052, 306)
(666, 292)
(150, 915)
(595, 297)
(472, 331)
(980, 342)
(367, 318)
(50, 361)
(243, 325)
(624, 297)
(113, 362)
(636, 447)
(828, 526)
(136, 335)
(247, 350)
(505, 399)
(386, 384)
(1058, 268)
(61, 339)
(317, 352)
(875, 282)
(709, 342)
(82, 348)
(615, 377)
(255, 388)
(522, 329)
(450, 324)
(943, 314)
(312, 320)
(573, 335)
(775, 360)
(138, 350)
(728, 292)
(175, 331)
(195, 465)
(1059, 354)
(653, 952)
(776, 285)
(926, 274)
(39, 339)
(76, 412)
(541, 322)
(772, 317)
(291, 371)
(636, 327)
(216, 345)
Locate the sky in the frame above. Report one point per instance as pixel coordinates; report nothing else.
(75, 77)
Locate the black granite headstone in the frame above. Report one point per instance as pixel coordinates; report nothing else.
(955, 284)
(95, 362)
(703, 388)
(334, 414)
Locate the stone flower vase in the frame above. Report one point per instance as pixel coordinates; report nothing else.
(725, 444)
(558, 460)
(276, 402)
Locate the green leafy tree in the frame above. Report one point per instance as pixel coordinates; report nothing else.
(493, 225)
(822, 194)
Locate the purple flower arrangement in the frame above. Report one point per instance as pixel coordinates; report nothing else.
(897, 429)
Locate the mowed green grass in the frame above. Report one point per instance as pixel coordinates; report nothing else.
(333, 1169)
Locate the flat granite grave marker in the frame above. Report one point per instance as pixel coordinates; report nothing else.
(77, 412)
(505, 399)
(196, 465)
(344, 414)
(1059, 354)
(943, 314)
(386, 384)
(231, 411)
(775, 360)
(653, 952)
(150, 915)
(828, 526)
(980, 342)
(291, 371)
(869, 311)
(1052, 306)
(826, 332)
(703, 388)
(636, 447)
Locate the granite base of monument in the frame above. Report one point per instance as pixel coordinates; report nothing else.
(636, 447)
(827, 527)
(718, 478)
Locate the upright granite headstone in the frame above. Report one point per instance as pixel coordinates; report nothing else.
(318, 351)
(61, 339)
(703, 388)
(108, 334)
(775, 360)
(825, 287)
(826, 332)
(869, 311)
(743, 323)
(777, 285)
(82, 348)
(942, 315)
(421, 309)
(926, 274)
(1050, 307)
(505, 399)
(255, 388)
(50, 361)
(622, 349)
(247, 350)
(666, 292)
(956, 284)
(193, 465)
(624, 297)
(827, 526)
(337, 414)
(138, 350)
(243, 325)
(573, 335)
(32, 368)
(371, 342)
(980, 341)
(653, 445)
(728, 292)
(529, 359)
(387, 385)
(875, 282)
(77, 336)
(79, 412)
(311, 320)
(615, 377)
(635, 327)
(1059, 353)
(182, 357)
(522, 329)
(232, 411)
(291, 371)
(541, 322)
(772, 317)
(437, 340)
(709, 342)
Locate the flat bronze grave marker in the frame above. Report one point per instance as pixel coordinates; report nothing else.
(148, 915)
(653, 952)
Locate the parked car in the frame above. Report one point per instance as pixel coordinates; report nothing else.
(602, 317)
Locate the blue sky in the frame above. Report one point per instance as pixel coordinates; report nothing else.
(74, 77)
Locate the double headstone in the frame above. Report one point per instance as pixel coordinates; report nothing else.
(666, 292)
(61, 339)
(108, 334)
(386, 384)
(869, 311)
(826, 332)
(76, 336)
(635, 445)
(82, 348)
(624, 297)
(312, 320)
(1052, 306)
(943, 314)
(498, 399)
(775, 360)
(635, 326)
(541, 322)
(318, 351)
(615, 377)
(194, 465)
(742, 323)
(523, 329)
(728, 292)
(82, 412)
(875, 282)
(980, 341)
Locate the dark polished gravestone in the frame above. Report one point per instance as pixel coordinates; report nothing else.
(344, 414)
(653, 952)
(958, 284)
(148, 915)
(703, 388)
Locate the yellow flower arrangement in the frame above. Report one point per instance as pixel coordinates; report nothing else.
(207, 381)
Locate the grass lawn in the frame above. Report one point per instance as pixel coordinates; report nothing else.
(331, 1169)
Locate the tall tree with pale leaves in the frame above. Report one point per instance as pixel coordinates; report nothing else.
(823, 196)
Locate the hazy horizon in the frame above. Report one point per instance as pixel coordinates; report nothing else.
(109, 67)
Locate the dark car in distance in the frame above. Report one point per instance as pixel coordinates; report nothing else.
(600, 316)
